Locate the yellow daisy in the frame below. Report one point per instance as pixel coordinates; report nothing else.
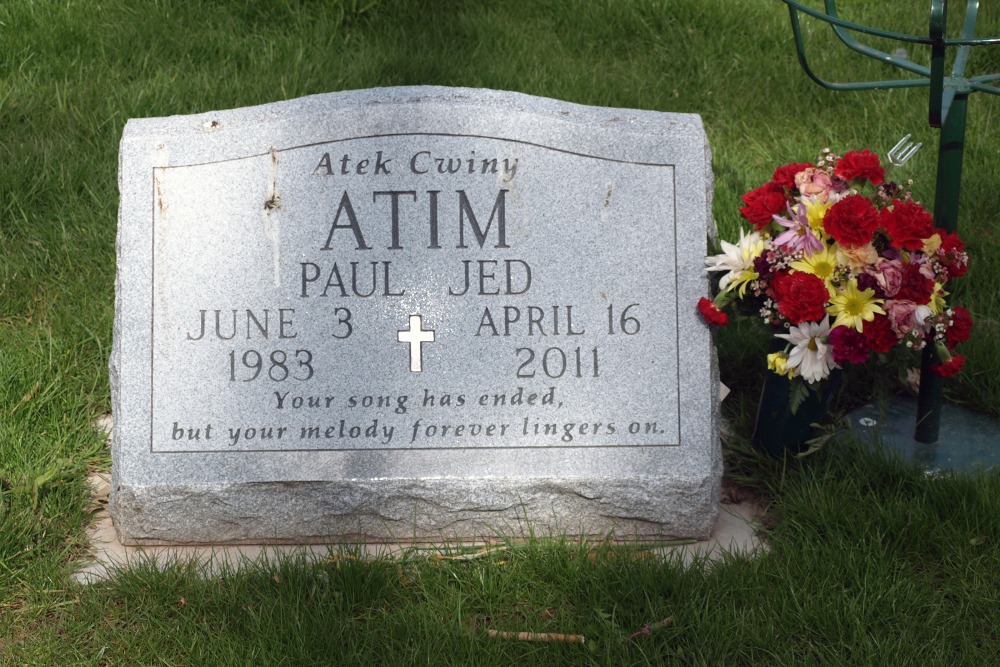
(815, 212)
(852, 307)
(822, 264)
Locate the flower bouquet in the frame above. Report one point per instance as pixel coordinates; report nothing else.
(842, 265)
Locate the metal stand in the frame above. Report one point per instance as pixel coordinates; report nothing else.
(947, 110)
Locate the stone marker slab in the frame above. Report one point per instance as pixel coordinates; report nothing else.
(413, 313)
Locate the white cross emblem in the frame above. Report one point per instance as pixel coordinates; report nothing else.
(415, 335)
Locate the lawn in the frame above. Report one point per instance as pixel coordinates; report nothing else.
(869, 561)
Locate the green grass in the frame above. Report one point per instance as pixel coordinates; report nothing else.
(870, 562)
(915, 579)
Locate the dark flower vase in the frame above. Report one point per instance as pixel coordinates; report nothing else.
(777, 431)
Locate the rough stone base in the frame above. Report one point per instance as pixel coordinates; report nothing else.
(414, 510)
(734, 533)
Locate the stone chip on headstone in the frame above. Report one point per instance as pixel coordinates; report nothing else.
(413, 313)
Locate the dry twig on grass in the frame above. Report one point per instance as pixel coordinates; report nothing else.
(537, 636)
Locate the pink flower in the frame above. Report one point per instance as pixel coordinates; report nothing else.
(798, 235)
(888, 273)
(814, 183)
(924, 264)
(859, 257)
(905, 316)
(785, 175)
(900, 314)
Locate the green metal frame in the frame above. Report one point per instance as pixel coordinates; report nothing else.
(947, 107)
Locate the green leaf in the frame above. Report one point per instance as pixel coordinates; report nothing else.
(820, 441)
(797, 393)
(724, 299)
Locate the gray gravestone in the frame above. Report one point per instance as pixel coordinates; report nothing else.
(413, 313)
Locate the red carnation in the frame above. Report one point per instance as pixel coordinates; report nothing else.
(849, 346)
(785, 176)
(950, 242)
(762, 203)
(908, 224)
(960, 328)
(711, 313)
(916, 287)
(881, 337)
(949, 368)
(852, 221)
(801, 297)
(857, 165)
(952, 254)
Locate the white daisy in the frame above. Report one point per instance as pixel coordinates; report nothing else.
(811, 354)
(738, 261)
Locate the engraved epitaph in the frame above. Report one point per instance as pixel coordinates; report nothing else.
(422, 312)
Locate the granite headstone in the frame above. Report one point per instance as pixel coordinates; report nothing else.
(413, 313)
